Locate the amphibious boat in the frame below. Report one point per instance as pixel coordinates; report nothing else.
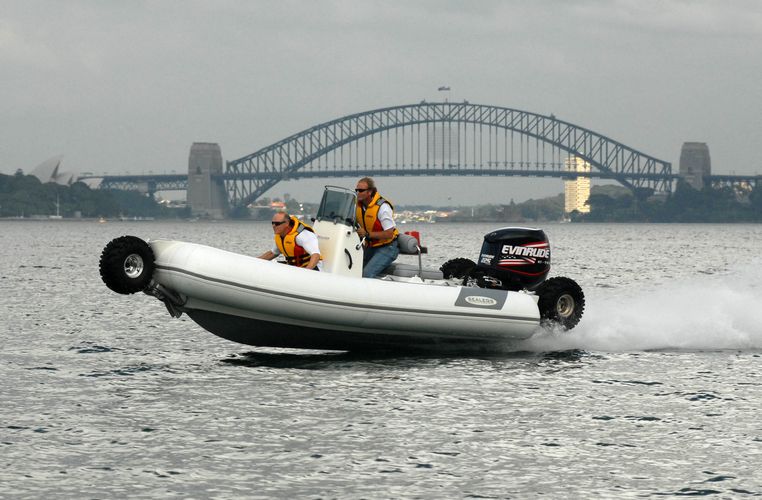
(503, 297)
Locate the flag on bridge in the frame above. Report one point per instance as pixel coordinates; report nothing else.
(443, 88)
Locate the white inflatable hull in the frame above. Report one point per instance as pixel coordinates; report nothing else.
(263, 303)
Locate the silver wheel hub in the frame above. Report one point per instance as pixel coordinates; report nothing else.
(133, 265)
(565, 306)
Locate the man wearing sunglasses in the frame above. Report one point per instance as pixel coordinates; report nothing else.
(296, 241)
(375, 216)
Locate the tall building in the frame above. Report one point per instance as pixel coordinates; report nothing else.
(695, 163)
(577, 190)
(443, 146)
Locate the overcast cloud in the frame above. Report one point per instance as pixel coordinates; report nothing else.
(127, 86)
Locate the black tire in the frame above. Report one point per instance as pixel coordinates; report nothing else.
(457, 268)
(561, 303)
(127, 265)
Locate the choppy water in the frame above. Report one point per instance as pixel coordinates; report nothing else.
(658, 392)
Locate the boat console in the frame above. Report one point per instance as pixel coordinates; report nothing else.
(340, 246)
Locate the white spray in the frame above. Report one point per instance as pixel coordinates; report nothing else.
(708, 313)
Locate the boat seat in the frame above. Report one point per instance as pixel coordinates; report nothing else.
(410, 270)
(408, 245)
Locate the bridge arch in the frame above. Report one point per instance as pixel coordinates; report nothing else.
(299, 155)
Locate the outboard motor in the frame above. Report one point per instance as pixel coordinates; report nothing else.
(518, 258)
(513, 258)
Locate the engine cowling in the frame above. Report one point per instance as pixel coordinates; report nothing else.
(513, 258)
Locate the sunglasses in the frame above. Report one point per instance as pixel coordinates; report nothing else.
(361, 190)
(278, 223)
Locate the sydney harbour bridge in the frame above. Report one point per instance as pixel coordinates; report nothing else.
(424, 139)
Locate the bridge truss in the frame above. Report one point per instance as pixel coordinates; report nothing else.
(143, 183)
(443, 139)
(739, 182)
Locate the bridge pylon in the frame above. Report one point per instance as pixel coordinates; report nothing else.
(207, 196)
(695, 164)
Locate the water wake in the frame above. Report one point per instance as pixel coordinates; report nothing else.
(707, 313)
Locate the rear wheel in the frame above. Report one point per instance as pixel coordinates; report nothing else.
(457, 268)
(127, 265)
(561, 302)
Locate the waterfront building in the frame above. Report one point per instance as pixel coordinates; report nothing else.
(576, 190)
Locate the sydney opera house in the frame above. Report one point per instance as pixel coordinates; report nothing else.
(50, 171)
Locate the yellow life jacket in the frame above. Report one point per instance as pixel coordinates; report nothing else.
(367, 217)
(295, 254)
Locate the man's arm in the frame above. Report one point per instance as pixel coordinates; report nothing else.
(314, 259)
(268, 255)
(381, 235)
(386, 218)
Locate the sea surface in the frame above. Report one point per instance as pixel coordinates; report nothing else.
(657, 393)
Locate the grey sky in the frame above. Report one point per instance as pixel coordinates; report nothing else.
(127, 86)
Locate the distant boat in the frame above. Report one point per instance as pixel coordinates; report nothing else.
(101, 220)
(133, 218)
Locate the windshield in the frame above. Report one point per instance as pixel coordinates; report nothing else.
(338, 205)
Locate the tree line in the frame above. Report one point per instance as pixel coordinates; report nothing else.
(685, 204)
(25, 196)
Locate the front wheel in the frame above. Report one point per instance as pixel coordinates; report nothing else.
(561, 302)
(127, 265)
